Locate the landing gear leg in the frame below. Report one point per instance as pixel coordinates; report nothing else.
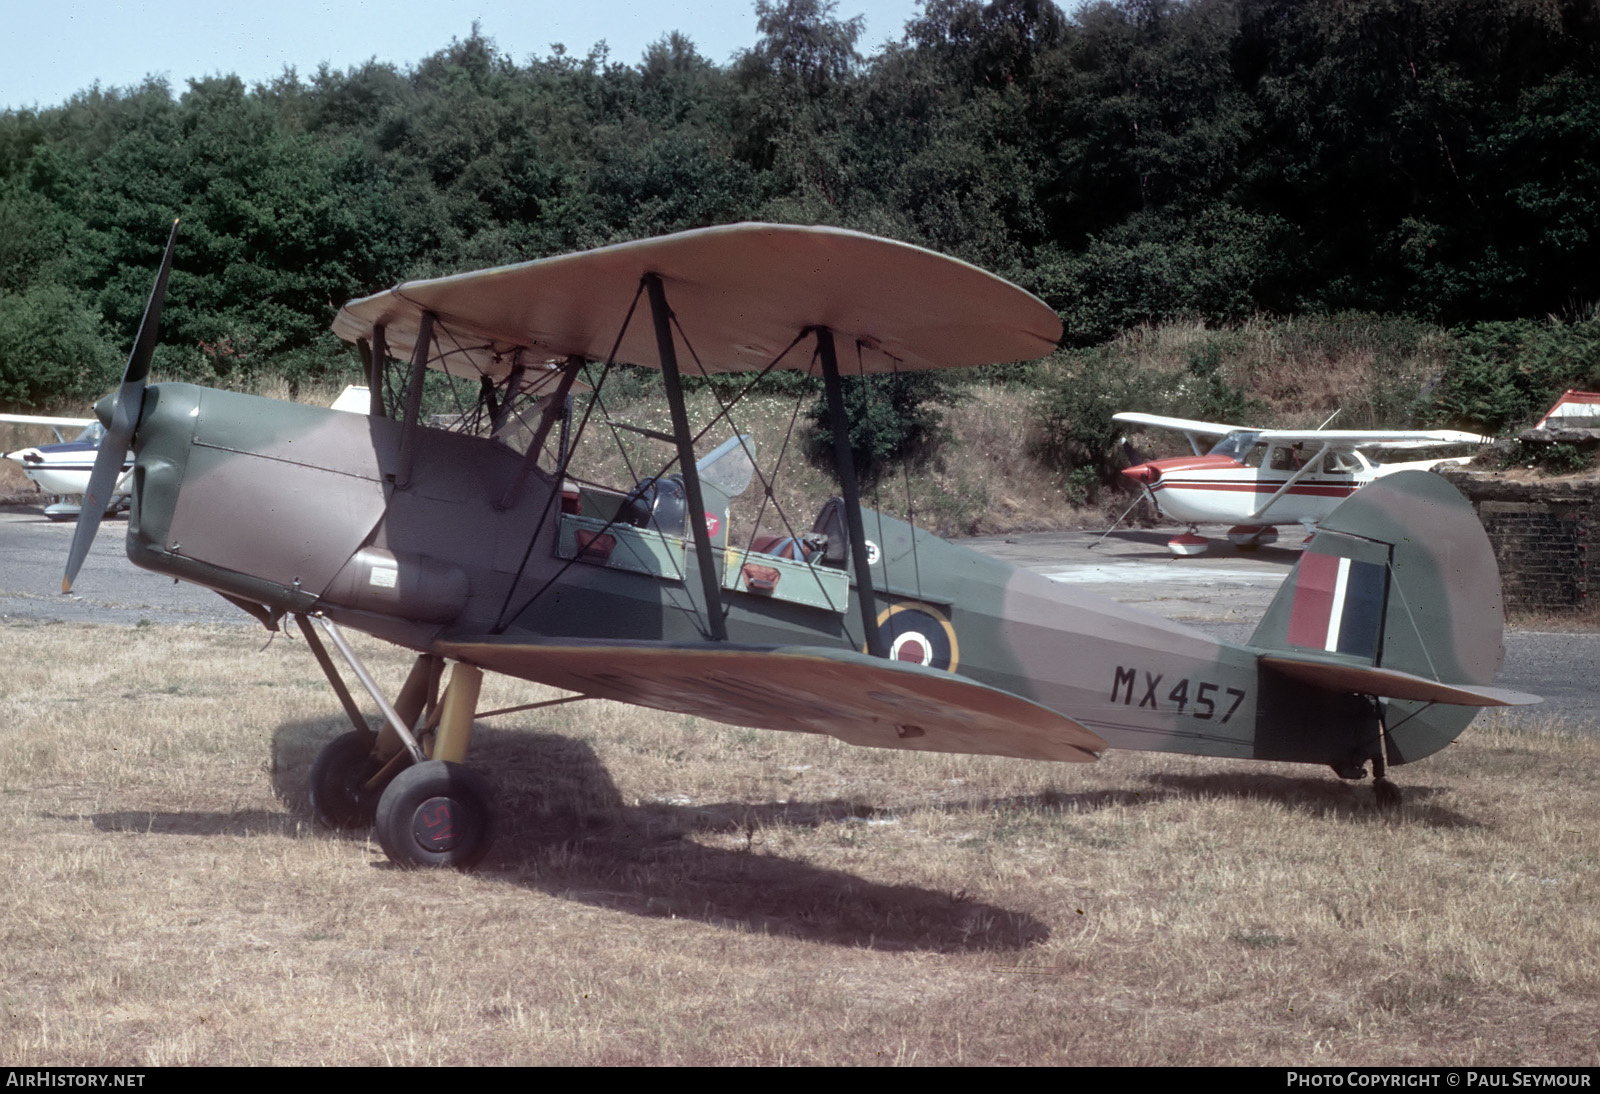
(436, 813)
(1388, 794)
(351, 771)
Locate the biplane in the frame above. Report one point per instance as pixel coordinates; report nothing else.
(1255, 479)
(483, 547)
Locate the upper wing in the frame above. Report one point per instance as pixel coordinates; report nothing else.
(860, 699)
(741, 294)
(1345, 438)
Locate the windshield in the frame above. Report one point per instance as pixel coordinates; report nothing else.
(1235, 444)
(729, 467)
(91, 434)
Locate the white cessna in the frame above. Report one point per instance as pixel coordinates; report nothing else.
(61, 470)
(1254, 479)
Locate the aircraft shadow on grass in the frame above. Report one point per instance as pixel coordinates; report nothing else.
(564, 829)
(1315, 797)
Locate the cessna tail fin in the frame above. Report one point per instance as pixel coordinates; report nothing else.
(1397, 596)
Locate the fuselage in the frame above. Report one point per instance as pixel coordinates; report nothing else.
(1202, 489)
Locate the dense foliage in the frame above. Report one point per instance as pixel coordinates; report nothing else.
(1137, 161)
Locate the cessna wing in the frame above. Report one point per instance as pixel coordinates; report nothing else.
(1338, 438)
(859, 699)
(741, 292)
(1372, 438)
(57, 424)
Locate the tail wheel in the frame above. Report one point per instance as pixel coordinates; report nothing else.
(435, 814)
(339, 794)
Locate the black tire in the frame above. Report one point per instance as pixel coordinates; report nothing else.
(435, 814)
(339, 797)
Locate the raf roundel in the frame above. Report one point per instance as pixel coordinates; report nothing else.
(920, 635)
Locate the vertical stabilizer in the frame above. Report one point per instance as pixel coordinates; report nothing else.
(1400, 577)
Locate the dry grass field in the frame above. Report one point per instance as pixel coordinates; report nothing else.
(666, 891)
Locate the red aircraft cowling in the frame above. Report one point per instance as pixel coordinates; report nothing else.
(1150, 472)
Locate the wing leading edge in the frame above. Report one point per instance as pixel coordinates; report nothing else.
(859, 699)
(1346, 438)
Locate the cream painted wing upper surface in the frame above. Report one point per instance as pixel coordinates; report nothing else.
(741, 294)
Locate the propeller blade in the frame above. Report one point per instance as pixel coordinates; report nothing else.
(124, 420)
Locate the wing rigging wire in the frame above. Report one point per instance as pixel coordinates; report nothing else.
(725, 411)
(501, 620)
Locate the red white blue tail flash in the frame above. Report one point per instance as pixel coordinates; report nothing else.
(1338, 605)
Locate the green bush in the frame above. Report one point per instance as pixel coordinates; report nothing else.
(1074, 430)
(894, 418)
(1504, 374)
(1550, 459)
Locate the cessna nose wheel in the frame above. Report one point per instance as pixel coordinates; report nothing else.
(435, 814)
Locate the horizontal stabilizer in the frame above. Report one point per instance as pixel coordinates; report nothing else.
(859, 699)
(1393, 684)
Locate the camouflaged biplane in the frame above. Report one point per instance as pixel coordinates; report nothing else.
(481, 552)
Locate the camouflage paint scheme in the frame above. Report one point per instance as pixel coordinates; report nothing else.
(1389, 624)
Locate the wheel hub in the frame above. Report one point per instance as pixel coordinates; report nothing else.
(434, 825)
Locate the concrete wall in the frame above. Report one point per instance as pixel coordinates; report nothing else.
(1545, 535)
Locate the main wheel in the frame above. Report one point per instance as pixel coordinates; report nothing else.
(435, 814)
(339, 795)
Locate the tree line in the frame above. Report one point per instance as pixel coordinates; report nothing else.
(1136, 161)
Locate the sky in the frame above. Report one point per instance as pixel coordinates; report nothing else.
(60, 47)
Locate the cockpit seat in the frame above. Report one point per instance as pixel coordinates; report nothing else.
(783, 547)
